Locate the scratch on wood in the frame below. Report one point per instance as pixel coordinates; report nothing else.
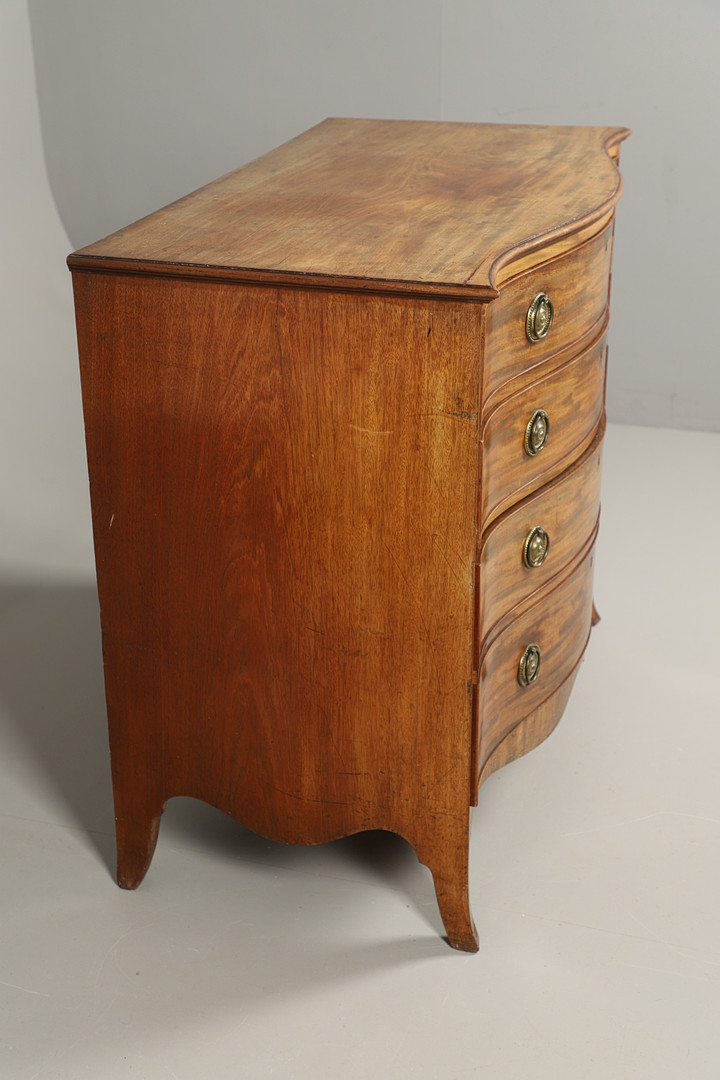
(307, 798)
(462, 414)
(370, 431)
(437, 782)
(440, 548)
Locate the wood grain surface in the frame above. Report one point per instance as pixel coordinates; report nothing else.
(573, 398)
(532, 730)
(577, 284)
(283, 493)
(567, 510)
(383, 204)
(559, 624)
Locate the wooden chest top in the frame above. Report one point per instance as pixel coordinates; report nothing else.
(426, 207)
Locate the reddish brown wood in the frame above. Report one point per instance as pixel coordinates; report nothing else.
(449, 863)
(559, 624)
(136, 829)
(573, 398)
(532, 730)
(567, 509)
(577, 284)
(290, 469)
(286, 579)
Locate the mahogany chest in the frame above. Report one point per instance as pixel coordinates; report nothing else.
(344, 410)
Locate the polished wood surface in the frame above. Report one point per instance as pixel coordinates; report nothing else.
(577, 284)
(559, 624)
(286, 583)
(567, 509)
(309, 485)
(572, 396)
(384, 203)
(531, 731)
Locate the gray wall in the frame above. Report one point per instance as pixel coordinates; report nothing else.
(44, 512)
(144, 100)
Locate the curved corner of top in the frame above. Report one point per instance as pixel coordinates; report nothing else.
(584, 198)
(611, 140)
(613, 137)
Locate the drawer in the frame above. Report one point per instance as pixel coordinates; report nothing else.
(558, 626)
(566, 511)
(576, 283)
(571, 399)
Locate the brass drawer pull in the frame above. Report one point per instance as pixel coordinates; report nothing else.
(529, 666)
(536, 547)
(539, 317)
(536, 432)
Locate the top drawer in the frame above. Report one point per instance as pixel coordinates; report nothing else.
(577, 286)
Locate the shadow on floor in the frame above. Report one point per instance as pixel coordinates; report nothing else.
(52, 702)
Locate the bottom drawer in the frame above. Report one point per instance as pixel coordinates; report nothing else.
(533, 656)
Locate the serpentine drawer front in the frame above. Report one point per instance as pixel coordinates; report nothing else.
(571, 398)
(564, 513)
(557, 627)
(576, 284)
(344, 410)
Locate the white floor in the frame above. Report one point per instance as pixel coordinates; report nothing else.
(595, 863)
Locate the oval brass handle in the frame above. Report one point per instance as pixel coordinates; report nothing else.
(529, 666)
(536, 547)
(536, 432)
(539, 318)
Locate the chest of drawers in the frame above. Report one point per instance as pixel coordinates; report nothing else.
(343, 411)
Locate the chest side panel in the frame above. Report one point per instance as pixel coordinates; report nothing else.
(284, 486)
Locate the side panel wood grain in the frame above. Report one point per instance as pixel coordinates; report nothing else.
(283, 490)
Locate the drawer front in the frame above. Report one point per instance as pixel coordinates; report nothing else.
(558, 624)
(515, 560)
(571, 398)
(577, 285)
